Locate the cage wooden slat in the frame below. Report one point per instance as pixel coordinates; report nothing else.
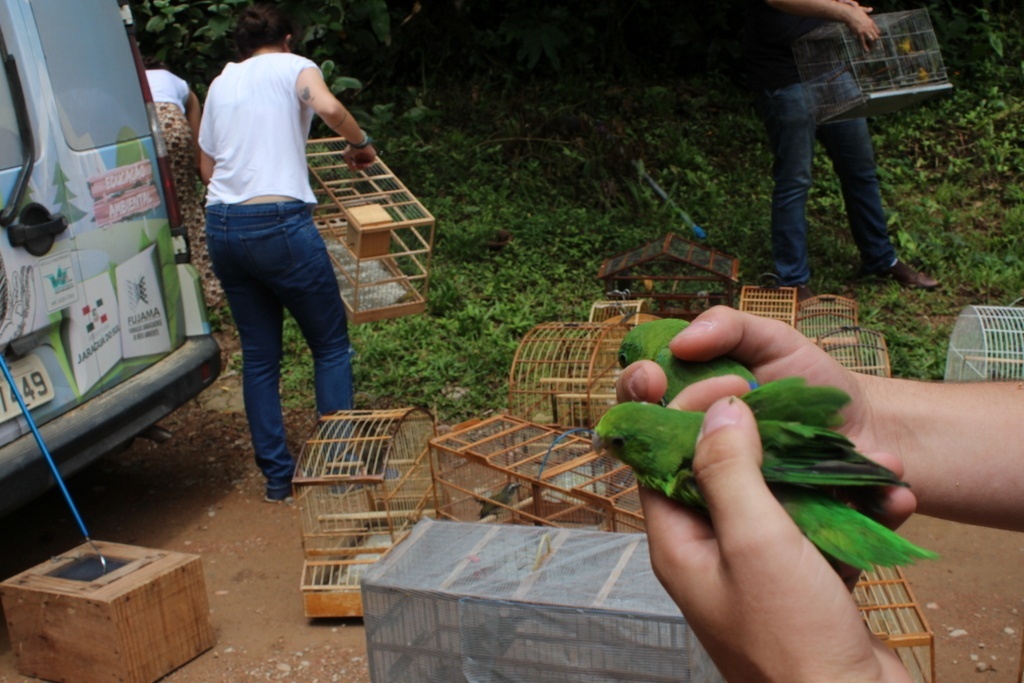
(680, 278)
(777, 303)
(362, 481)
(820, 314)
(564, 373)
(382, 268)
(859, 349)
(603, 311)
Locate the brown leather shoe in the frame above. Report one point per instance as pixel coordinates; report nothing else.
(803, 292)
(908, 277)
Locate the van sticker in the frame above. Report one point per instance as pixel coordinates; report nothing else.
(143, 318)
(123, 192)
(93, 329)
(59, 285)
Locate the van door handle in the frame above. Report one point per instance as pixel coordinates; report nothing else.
(36, 229)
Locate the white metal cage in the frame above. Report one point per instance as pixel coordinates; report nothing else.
(987, 343)
(842, 80)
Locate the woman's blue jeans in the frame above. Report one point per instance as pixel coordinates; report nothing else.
(792, 132)
(270, 257)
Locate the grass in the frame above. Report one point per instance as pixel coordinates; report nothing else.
(550, 162)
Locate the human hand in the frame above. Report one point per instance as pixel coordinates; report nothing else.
(761, 599)
(358, 159)
(862, 26)
(771, 350)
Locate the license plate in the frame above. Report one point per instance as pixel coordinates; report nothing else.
(33, 383)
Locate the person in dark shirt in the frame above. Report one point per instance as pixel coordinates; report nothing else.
(771, 28)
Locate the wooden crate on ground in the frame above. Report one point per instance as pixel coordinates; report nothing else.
(777, 303)
(361, 483)
(893, 614)
(146, 615)
(561, 480)
(378, 234)
(564, 373)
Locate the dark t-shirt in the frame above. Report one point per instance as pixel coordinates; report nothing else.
(768, 36)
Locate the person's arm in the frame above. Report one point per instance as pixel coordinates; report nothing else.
(848, 12)
(761, 599)
(194, 114)
(205, 167)
(961, 445)
(312, 90)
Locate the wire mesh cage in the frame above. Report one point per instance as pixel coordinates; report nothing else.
(842, 80)
(679, 277)
(490, 602)
(777, 303)
(891, 611)
(564, 373)
(362, 481)
(818, 315)
(507, 470)
(379, 236)
(623, 310)
(987, 343)
(859, 349)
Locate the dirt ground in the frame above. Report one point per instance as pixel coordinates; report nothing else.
(201, 493)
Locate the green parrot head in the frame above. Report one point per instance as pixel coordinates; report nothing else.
(647, 339)
(637, 433)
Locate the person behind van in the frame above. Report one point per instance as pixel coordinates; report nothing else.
(265, 248)
(179, 112)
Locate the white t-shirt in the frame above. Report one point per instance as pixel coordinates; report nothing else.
(166, 87)
(255, 127)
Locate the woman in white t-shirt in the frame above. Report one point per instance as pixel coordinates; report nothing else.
(179, 112)
(265, 248)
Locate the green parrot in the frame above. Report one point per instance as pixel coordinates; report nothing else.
(649, 341)
(784, 400)
(814, 472)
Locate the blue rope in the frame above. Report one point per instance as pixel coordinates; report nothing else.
(554, 443)
(49, 458)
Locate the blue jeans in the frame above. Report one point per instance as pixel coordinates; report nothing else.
(792, 132)
(270, 257)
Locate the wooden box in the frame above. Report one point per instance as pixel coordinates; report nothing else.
(369, 230)
(144, 617)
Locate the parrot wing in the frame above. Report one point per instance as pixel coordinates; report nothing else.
(792, 400)
(811, 456)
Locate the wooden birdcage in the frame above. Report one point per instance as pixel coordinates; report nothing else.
(362, 481)
(859, 349)
(679, 277)
(821, 314)
(777, 303)
(564, 373)
(842, 80)
(379, 236)
(507, 470)
(628, 311)
(893, 614)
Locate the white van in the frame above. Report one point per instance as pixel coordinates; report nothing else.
(102, 320)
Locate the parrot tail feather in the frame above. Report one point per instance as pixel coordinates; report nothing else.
(846, 535)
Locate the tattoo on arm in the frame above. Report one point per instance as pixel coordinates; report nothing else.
(305, 95)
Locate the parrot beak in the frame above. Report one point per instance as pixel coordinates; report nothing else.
(597, 444)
